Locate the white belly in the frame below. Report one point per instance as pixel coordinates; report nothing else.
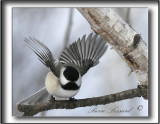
(53, 87)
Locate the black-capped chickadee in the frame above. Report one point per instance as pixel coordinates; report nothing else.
(64, 79)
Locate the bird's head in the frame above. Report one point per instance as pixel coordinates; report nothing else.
(70, 75)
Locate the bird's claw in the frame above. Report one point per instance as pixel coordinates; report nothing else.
(52, 99)
(72, 98)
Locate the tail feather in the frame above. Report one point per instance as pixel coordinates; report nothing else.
(38, 97)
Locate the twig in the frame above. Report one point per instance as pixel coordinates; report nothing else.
(31, 110)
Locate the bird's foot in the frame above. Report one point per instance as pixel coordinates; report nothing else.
(72, 98)
(52, 99)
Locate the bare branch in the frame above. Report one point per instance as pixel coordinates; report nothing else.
(31, 110)
(127, 42)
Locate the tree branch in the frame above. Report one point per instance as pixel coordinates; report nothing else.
(127, 42)
(30, 110)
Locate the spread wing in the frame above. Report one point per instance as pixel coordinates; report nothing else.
(85, 53)
(44, 54)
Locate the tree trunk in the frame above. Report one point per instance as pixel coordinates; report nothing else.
(122, 37)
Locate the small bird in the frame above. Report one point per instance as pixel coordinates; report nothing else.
(65, 76)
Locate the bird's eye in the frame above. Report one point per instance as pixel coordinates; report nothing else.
(71, 73)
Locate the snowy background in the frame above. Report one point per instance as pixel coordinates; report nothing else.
(109, 76)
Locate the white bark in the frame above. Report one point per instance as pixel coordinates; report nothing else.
(124, 39)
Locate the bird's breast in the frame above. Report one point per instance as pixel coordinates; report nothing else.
(53, 87)
(51, 83)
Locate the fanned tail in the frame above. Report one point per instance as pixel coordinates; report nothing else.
(38, 97)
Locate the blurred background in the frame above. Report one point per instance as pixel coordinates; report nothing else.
(50, 25)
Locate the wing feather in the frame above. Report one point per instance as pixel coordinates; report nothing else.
(44, 54)
(85, 53)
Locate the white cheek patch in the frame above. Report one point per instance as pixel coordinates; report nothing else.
(63, 80)
(79, 81)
